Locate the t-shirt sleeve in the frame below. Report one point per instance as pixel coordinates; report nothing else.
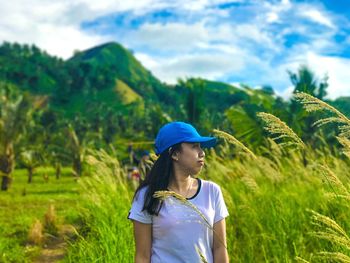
(136, 212)
(220, 206)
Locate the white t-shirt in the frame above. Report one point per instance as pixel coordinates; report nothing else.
(178, 229)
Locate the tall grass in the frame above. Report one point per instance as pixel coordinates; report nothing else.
(282, 208)
(269, 219)
(106, 235)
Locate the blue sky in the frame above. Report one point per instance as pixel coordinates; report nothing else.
(251, 42)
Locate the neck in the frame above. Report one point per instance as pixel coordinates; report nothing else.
(180, 184)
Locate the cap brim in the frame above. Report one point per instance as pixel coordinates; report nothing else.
(206, 142)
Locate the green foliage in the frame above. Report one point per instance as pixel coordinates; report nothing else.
(245, 127)
(241, 119)
(343, 104)
(30, 68)
(305, 81)
(15, 113)
(15, 109)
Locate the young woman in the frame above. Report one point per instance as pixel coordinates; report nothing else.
(170, 231)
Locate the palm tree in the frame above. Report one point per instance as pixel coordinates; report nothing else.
(305, 81)
(77, 151)
(15, 112)
(30, 159)
(56, 153)
(241, 119)
(67, 147)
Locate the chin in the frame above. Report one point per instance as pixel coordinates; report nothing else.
(197, 171)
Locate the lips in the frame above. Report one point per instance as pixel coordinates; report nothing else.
(201, 162)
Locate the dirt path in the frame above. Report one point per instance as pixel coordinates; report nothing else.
(54, 249)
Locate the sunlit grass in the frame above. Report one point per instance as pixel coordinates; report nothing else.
(23, 203)
(272, 224)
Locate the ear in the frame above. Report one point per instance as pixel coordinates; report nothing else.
(175, 156)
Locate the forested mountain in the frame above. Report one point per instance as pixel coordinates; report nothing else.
(31, 69)
(106, 91)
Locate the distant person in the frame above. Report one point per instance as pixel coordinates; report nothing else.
(134, 176)
(169, 231)
(144, 164)
(132, 155)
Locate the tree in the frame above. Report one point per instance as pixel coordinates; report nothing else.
(305, 81)
(30, 159)
(342, 104)
(301, 122)
(15, 112)
(194, 102)
(56, 151)
(77, 151)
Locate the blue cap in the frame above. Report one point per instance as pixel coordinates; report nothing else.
(178, 132)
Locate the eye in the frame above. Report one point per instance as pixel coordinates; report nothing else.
(195, 145)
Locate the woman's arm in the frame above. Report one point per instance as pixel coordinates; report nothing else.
(219, 242)
(143, 242)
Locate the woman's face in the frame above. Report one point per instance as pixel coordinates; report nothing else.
(190, 158)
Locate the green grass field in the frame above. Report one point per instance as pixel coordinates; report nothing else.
(23, 203)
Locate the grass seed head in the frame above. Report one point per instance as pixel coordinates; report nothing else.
(35, 235)
(279, 130)
(50, 220)
(232, 140)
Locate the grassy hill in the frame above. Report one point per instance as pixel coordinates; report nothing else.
(127, 94)
(122, 65)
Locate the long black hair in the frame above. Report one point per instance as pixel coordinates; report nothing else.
(158, 179)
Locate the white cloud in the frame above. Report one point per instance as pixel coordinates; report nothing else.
(230, 50)
(172, 36)
(56, 26)
(272, 17)
(53, 26)
(144, 6)
(275, 10)
(337, 70)
(287, 93)
(255, 33)
(210, 66)
(56, 40)
(317, 16)
(147, 61)
(180, 37)
(66, 40)
(103, 7)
